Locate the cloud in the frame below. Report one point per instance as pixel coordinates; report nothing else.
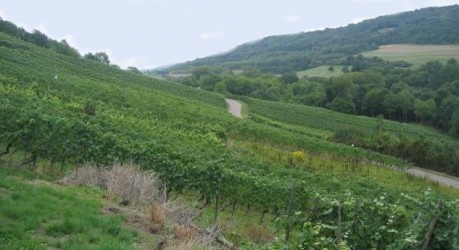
(321, 28)
(367, 1)
(443, 2)
(212, 35)
(132, 61)
(292, 18)
(2, 14)
(42, 28)
(359, 19)
(70, 40)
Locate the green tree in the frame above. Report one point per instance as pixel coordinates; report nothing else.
(40, 39)
(134, 70)
(220, 87)
(101, 57)
(289, 77)
(342, 105)
(373, 102)
(424, 110)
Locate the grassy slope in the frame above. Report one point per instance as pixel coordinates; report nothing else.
(185, 122)
(416, 54)
(37, 214)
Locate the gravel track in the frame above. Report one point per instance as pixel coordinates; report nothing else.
(234, 107)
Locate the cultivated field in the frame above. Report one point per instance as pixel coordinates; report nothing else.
(415, 54)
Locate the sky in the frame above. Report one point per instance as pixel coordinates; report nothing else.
(152, 33)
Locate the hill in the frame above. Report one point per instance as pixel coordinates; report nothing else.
(270, 180)
(297, 52)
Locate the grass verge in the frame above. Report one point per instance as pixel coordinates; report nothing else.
(37, 214)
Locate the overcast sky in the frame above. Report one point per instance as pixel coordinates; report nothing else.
(151, 33)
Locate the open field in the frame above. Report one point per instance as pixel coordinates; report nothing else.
(416, 54)
(321, 71)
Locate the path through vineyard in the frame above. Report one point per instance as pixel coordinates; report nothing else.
(234, 107)
(434, 176)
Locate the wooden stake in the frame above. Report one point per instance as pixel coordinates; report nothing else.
(432, 224)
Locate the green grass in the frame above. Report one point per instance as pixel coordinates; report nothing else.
(416, 54)
(321, 71)
(37, 214)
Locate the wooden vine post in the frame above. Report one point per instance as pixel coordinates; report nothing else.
(291, 203)
(431, 227)
(339, 227)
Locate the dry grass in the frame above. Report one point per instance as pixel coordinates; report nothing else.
(157, 213)
(150, 211)
(125, 181)
(259, 234)
(179, 213)
(185, 232)
(132, 184)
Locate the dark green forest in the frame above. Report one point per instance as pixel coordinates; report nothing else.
(280, 54)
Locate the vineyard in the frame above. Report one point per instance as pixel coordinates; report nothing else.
(405, 141)
(280, 164)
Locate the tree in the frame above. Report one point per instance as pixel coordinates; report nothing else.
(250, 72)
(220, 87)
(342, 105)
(101, 57)
(424, 110)
(64, 48)
(407, 102)
(435, 76)
(454, 124)
(289, 77)
(339, 87)
(134, 70)
(40, 39)
(373, 102)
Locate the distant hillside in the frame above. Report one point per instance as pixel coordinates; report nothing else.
(277, 54)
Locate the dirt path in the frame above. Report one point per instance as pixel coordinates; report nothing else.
(234, 107)
(434, 176)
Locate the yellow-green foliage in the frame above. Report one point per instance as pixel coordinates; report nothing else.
(298, 157)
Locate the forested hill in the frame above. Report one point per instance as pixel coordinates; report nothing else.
(277, 54)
